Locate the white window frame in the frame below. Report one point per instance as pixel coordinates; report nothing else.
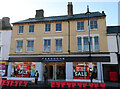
(16, 47)
(20, 29)
(93, 44)
(60, 27)
(33, 28)
(27, 47)
(47, 28)
(56, 46)
(48, 45)
(93, 24)
(77, 26)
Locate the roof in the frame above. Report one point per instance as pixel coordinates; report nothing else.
(113, 29)
(61, 18)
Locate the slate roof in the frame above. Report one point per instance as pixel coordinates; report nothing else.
(61, 18)
(113, 29)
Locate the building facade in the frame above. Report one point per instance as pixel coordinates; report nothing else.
(5, 39)
(60, 45)
(113, 36)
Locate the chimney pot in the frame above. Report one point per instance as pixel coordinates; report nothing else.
(103, 12)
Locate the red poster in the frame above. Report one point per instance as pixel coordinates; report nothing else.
(22, 70)
(80, 72)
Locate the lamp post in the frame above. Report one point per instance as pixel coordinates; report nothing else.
(88, 13)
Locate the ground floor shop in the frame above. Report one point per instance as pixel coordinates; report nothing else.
(59, 67)
(69, 71)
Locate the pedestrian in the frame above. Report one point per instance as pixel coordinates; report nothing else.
(45, 76)
(36, 76)
(92, 75)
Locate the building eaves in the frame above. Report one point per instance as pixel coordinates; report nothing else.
(61, 18)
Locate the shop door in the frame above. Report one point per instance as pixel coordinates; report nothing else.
(56, 72)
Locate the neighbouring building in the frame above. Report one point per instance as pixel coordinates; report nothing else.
(5, 39)
(113, 36)
(59, 44)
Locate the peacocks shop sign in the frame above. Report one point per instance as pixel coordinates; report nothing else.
(80, 72)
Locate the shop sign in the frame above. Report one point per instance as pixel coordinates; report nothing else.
(23, 71)
(80, 72)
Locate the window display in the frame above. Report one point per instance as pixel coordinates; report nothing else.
(83, 70)
(23, 69)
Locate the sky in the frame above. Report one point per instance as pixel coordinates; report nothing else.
(18, 10)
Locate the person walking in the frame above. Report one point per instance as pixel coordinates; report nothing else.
(36, 76)
(45, 76)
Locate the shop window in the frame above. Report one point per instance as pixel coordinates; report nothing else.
(23, 69)
(82, 70)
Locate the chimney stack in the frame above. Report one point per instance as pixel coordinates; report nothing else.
(39, 13)
(103, 12)
(70, 9)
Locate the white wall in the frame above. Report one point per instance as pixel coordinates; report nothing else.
(5, 44)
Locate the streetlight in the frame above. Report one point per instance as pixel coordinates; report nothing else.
(88, 13)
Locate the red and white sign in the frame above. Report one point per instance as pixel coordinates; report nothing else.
(80, 72)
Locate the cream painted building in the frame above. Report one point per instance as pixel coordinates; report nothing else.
(60, 45)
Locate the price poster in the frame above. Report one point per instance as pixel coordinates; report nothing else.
(80, 72)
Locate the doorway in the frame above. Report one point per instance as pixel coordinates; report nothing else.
(56, 71)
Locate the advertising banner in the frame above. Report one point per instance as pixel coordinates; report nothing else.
(80, 72)
(23, 70)
(3, 68)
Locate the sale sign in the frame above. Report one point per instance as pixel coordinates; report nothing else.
(23, 70)
(80, 72)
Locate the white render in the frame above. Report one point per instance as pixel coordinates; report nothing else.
(5, 40)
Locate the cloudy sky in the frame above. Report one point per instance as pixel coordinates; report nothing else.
(18, 10)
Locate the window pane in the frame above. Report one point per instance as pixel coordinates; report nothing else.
(96, 43)
(58, 45)
(93, 24)
(80, 25)
(58, 27)
(79, 44)
(47, 45)
(30, 46)
(86, 45)
(19, 46)
(47, 27)
(20, 29)
(31, 28)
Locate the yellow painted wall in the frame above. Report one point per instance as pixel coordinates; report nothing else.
(39, 33)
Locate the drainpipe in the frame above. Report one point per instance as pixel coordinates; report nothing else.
(69, 37)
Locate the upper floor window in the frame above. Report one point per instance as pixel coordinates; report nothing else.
(86, 44)
(93, 24)
(79, 44)
(30, 45)
(19, 46)
(0, 51)
(47, 27)
(58, 45)
(58, 27)
(80, 26)
(20, 29)
(47, 45)
(96, 41)
(31, 28)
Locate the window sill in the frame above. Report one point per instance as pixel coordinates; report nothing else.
(58, 31)
(18, 52)
(29, 51)
(20, 33)
(93, 29)
(31, 32)
(46, 32)
(58, 51)
(46, 51)
(80, 30)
